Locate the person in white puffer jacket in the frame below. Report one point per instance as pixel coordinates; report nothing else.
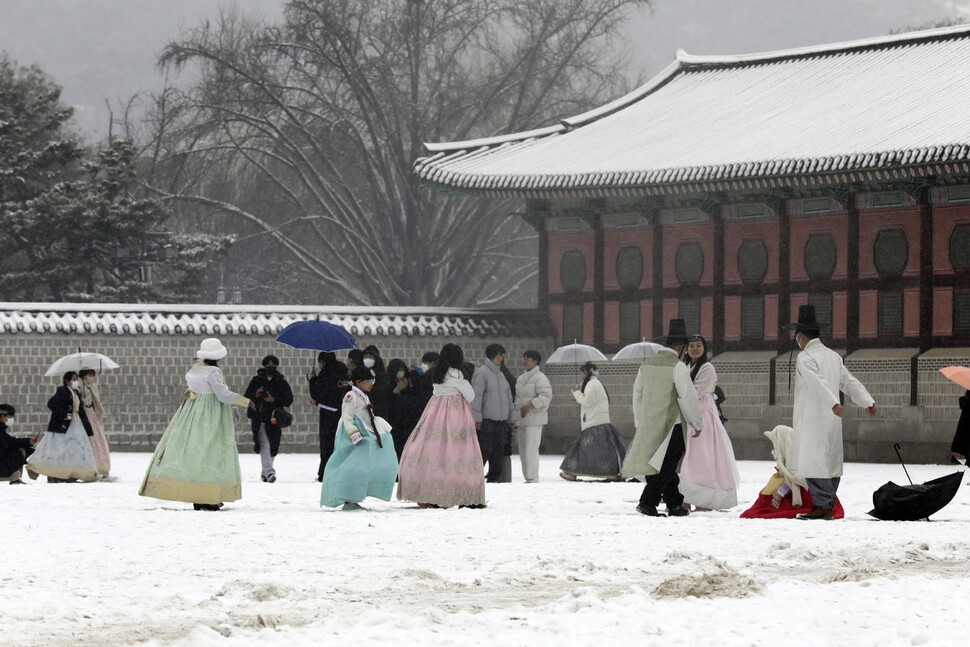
(533, 394)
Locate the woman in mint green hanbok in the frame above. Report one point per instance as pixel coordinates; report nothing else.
(364, 462)
(196, 459)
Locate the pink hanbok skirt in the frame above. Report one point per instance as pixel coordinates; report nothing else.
(709, 476)
(441, 463)
(99, 444)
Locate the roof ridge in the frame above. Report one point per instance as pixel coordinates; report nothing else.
(875, 42)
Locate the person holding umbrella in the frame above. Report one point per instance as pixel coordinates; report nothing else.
(820, 374)
(270, 392)
(64, 454)
(94, 411)
(599, 450)
(327, 388)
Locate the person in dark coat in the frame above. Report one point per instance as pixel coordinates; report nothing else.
(61, 405)
(961, 439)
(327, 388)
(13, 451)
(268, 391)
(380, 394)
(406, 402)
(423, 384)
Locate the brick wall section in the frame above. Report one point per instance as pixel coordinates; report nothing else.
(143, 394)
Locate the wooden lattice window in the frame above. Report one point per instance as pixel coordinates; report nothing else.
(629, 267)
(890, 312)
(961, 311)
(890, 251)
(820, 256)
(572, 271)
(629, 322)
(823, 309)
(689, 263)
(690, 311)
(753, 317)
(572, 323)
(753, 260)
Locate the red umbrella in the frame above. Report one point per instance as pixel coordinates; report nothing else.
(958, 374)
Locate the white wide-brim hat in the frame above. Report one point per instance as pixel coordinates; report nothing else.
(211, 348)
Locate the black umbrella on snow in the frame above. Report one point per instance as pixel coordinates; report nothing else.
(914, 502)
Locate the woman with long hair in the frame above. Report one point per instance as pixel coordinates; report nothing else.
(598, 452)
(441, 465)
(91, 399)
(709, 476)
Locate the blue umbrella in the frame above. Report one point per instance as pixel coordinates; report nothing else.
(316, 335)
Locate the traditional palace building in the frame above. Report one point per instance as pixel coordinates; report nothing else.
(730, 190)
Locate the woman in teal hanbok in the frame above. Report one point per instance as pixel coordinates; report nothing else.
(196, 459)
(364, 462)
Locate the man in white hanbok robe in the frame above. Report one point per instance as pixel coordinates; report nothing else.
(816, 453)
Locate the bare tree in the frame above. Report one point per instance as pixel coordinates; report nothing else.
(301, 137)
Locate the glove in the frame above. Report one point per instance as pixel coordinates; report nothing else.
(356, 437)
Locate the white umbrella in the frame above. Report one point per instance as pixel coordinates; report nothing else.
(638, 352)
(574, 354)
(79, 361)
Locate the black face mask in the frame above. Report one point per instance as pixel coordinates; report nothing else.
(270, 370)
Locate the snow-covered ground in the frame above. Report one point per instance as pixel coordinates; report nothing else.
(555, 563)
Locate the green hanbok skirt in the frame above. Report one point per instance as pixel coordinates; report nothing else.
(355, 472)
(196, 460)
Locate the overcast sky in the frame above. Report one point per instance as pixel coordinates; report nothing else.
(106, 49)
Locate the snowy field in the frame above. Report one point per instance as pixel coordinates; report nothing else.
(556, 563)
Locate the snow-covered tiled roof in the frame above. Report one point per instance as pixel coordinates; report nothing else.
(882, 108)
(185, 319)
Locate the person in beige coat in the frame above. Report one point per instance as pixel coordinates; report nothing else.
(533, 393)
(663, 398)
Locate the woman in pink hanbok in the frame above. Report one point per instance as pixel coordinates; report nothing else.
(709, 476)
(95, 414)
(441, 465)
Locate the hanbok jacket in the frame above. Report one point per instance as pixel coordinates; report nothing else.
(533, 386)
(817, 437)
(61, 405)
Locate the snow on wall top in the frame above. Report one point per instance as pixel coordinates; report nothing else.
(883, 103)
(188, 319)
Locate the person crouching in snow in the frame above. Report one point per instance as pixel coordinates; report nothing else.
(364, 462)
(13, 451)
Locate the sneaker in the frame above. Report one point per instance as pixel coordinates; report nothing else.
(648, 510)
(568, 477)
(817, 513)
(679, 511)
(271, 478)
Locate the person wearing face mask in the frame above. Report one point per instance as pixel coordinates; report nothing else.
(405, 402)
(91, 400)
(13, 451)
(425, 387)
(269, 392)
(380, 395)
(64, 453)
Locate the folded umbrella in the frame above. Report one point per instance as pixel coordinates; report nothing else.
(314, 334)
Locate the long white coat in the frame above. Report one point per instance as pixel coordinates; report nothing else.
(817, 432)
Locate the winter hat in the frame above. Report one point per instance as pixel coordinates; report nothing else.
(211, 348)
(372, 350)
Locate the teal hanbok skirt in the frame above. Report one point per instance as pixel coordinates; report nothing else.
(355, 472)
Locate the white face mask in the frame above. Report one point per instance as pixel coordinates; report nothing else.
(10, 422)
(369, 363)
(400, 375)
(75, 384)
(424, 368)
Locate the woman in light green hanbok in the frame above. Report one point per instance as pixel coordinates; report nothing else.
(196, 459)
